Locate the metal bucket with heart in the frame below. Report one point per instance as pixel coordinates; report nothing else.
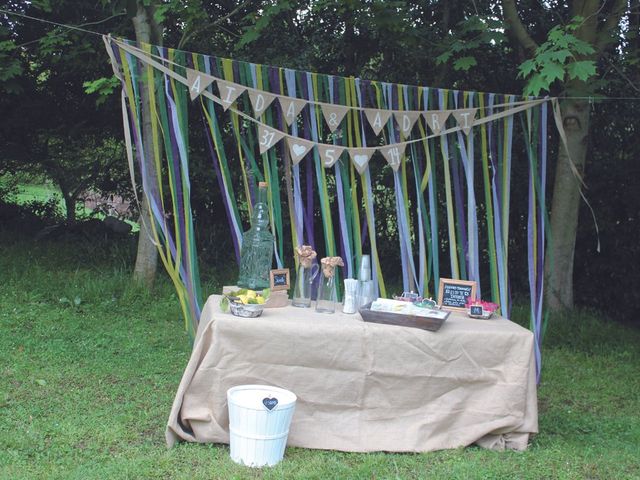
(259, 419)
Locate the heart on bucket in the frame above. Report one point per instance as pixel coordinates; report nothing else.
(270, 403)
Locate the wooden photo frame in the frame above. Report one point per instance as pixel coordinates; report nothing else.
(453, 294)
(279, 279)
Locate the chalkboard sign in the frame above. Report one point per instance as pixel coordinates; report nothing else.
(279, 279)
(453, 294)
(476, 310)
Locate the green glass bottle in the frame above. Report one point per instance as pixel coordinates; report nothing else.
(256, 255)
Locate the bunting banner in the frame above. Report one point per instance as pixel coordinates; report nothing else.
(324, 144)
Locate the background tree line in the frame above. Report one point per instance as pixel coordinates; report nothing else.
(61, 120)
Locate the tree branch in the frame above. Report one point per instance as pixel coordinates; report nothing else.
(510, 12)
(188, 34)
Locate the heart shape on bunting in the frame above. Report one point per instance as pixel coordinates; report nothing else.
(270, 403)
(360, 158)
(298, 148)
(329, 154)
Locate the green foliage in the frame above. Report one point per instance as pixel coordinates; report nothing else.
(472, 34)
(118, 357)
(262, 21)
(103, 86)
(562, 57)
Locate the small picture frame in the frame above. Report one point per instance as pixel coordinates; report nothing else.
(279, 279)
(476, 310)
(453, 294)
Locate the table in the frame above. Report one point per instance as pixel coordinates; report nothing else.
(362, 386)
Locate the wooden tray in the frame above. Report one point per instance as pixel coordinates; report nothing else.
(412, 321)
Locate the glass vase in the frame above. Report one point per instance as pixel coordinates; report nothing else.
(327, 295)
(302, 287)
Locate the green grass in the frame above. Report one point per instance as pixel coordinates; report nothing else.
(43, 192)
(86, 389)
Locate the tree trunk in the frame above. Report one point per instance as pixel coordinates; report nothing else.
(70, 205)
(565, 206)
(147, 256)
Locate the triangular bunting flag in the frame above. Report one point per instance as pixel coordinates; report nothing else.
(436, 119)
(393, 154)
(406, 121)
(329, 154)
(268, 137)
(260, 101)
(298, 148)
(333, 115)
(465, 118)
(229, 92)
(377, 118)
(360, 158)
(291, 107)
(198, 82)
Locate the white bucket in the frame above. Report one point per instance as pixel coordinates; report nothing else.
(258, 436)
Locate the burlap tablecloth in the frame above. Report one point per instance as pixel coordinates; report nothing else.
(364, 387)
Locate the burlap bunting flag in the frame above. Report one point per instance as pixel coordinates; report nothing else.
(360, 158)
(260, 101)
(377, 118)
(329, 154)
(406, 121)
(393, 154)
(229, 92)
(465, 118)
(291, 107)
(333, 115)
(268, 137)
(299, 148)
(198, 82)
(436, 119)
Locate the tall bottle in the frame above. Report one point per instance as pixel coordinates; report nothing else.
(256, 255)
(365, 284)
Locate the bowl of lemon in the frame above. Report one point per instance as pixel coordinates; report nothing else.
(244, 303)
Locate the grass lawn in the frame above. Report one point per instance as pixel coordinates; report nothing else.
(44, 192)
(90, 364)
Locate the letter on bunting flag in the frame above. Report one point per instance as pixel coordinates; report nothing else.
(260, 101)
(465, 118)
(406, 121)
(229, 92)
(198, 82)
(436, 120)
(291, 107)
(377, 118)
